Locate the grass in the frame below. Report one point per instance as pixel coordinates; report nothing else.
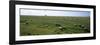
(46, 25)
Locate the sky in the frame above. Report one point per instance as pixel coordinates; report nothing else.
(28, 12)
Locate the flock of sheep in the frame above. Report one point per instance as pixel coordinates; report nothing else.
(61, 27)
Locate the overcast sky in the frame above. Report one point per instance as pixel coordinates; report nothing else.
(53, 13)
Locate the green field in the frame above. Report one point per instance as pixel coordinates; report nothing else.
(48, 25)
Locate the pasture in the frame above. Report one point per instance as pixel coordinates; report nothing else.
(49, 25)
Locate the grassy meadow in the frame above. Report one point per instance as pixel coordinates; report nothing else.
(49, 25)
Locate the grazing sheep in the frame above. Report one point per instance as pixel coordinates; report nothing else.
(82, 26)
(79, 25)
(62, 28)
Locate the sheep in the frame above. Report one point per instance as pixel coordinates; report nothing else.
(61, 28)
(82, 26)
(79, 25)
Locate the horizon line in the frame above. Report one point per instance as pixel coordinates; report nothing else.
(54, 15)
